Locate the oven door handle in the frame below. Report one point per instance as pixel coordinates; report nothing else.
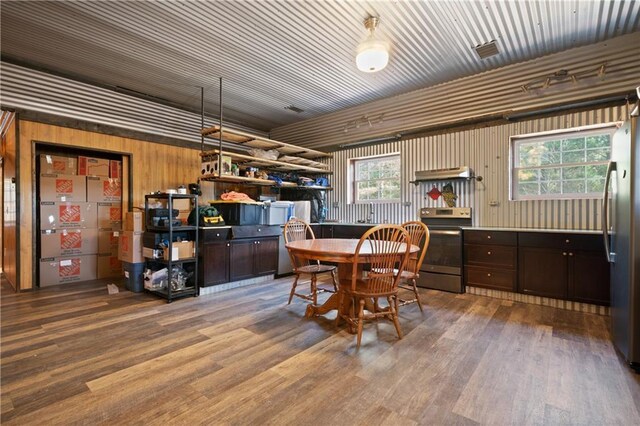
(455, 232)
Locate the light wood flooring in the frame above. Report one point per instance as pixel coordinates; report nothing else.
(75, 355)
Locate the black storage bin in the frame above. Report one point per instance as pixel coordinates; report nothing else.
(239, 213)
(133, 274)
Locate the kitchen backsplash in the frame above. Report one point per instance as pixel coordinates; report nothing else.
(486, 151)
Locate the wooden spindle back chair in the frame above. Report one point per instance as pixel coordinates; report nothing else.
(419, 236)
(294, 230)
(389, 250)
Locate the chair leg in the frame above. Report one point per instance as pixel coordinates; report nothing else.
(293, 288)
(314, 288)
(340, 301)
(335, 281)
(393, 307)
(415, 291)
(360, 323)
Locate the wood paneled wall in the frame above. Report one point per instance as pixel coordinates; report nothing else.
(10, 246)
(155, 167)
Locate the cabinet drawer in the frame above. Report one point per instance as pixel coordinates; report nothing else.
(491, 237)
(561, 241)
(499, 279)
(212, 235)
(256, 231)
(490, 255)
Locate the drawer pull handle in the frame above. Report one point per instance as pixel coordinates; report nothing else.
(488, 237)
(570, 254)
(564, 253)
(567, 241)
(488, 275)
(217, 235)
(489, 253)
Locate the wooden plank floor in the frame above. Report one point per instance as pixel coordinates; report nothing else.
(75, 355)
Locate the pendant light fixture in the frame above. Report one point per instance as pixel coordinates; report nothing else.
(373, 53)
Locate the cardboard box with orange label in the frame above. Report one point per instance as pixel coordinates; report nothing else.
(130, 247)
(63, 188)
(108, 242)
(110, 216)
(68, 269)
(67, 215)
(109, 266)
(115, 169)
(55, 164)
(91, 166)
(68, 242)
(134, 221)
(103, 189)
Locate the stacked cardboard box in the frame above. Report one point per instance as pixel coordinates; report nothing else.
(130, 247)
(80, 219)
(68, 224)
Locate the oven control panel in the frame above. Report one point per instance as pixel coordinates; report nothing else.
(445, 212)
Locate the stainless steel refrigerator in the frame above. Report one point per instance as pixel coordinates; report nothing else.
(621, 232)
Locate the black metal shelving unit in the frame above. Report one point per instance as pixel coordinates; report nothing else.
(189, 264)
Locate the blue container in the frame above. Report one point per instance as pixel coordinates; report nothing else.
(133, 274)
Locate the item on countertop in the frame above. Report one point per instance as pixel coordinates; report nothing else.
(182, 189)
(435, 193)
(449, 196)
(205, 216)
(235, 196)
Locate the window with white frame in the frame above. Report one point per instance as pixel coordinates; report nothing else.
(561, 165)
(376, 178)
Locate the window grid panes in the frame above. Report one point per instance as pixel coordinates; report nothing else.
(571, 164)
(377, 179)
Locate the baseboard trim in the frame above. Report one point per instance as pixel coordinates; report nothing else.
(542, 301)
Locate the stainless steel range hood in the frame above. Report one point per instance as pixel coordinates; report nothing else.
(463, 172)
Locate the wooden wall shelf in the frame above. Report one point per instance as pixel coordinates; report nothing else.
(274, 165)
(253, 141)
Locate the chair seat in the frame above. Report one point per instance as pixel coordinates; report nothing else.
(406, 275)
(315, 269)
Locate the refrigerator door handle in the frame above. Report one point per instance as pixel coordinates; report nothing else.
(605, 208)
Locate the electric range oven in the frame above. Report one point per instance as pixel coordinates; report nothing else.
(442, 265)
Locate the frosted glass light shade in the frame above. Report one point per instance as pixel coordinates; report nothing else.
(372, 55)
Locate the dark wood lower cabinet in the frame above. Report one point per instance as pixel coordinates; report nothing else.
(253, 257)
(589, 277)
(543, 272)
(567, 266)
(266, 257)
(214, 263)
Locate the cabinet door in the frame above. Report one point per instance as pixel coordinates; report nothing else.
(589, 277)
(543, 272)
(241, 259)
(327, 231)
(266, 258)
(214, 263)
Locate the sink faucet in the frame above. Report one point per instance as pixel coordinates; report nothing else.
(370, 217)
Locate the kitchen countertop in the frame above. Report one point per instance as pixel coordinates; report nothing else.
(215, 227)
(559, 231)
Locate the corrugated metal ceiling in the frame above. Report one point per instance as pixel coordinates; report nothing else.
(275, 54)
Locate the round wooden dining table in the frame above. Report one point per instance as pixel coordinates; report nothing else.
(337, 250)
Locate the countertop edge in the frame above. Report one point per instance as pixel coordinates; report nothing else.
(544, 230)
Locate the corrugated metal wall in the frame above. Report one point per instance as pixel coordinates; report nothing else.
(486, 151)
(33, 90)
(493, 93)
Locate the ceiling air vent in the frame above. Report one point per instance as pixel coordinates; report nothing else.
(487, 49)
(294, 109)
